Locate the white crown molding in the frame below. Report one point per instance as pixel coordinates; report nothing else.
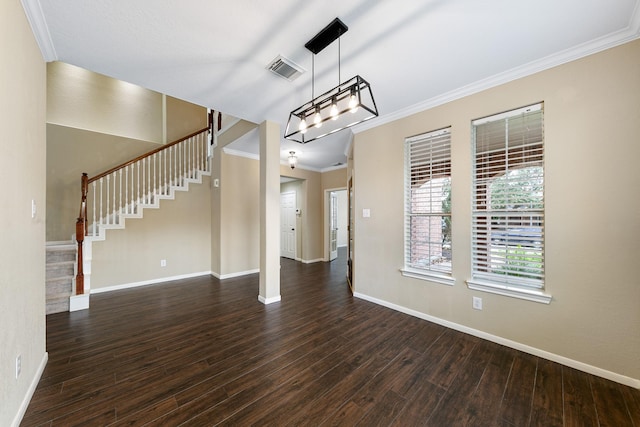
(333, 168)
(239, 153)
(38, 23)
(252, 156)
(630, 33)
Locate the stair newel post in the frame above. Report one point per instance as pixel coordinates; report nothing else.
(81, 227)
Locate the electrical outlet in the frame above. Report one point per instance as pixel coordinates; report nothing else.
(18, 365)
(163, 263)
(477, 303)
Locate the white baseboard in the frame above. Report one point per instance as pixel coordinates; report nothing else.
(78, 302)
(32, 389)
(594, 370)
(149, 282)
(311, 261)
(271, 300)
(231, 275)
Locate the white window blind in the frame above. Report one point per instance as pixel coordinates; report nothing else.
(428, 202)
(508, 198)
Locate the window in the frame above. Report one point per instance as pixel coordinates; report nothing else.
(507, 227)
(428, 206)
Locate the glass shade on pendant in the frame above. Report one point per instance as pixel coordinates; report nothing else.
(329, 111)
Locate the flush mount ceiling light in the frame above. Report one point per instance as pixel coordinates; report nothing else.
(293, 159)
(349, 103)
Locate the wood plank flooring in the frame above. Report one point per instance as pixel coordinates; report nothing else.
(203, 352)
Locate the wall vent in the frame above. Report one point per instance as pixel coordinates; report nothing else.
(285, 68)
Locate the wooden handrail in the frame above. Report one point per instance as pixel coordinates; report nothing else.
(145, 155)
(81, 221)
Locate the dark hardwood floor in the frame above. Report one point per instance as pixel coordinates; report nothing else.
(203, 352)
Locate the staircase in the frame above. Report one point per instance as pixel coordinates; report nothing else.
(60, 263)
(124, 192)
(116, 218)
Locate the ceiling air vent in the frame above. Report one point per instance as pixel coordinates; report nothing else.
(285, 68)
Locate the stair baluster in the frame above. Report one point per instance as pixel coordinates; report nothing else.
(147, 179)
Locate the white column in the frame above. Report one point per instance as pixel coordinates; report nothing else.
(269, 213)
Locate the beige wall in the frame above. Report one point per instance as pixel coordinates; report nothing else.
(236, 216)
(70, 152)
(309, 199)
(83, 99)
(95, 123)
(240, 215)
(179, 232)
(22, 170)
(592, 116)
(238, 251)
(216, 211)
(183, 118)
(334, 179)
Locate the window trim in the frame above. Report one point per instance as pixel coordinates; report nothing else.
(431, 276)
(509, 291)
(478, 281)
(444, 278)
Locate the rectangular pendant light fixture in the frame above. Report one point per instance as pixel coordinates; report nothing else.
(346, 105)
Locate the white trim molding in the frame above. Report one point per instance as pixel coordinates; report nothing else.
(428, 276)
(271, 300)
(236, 274)
(608, 41)
(239, 153)
(590, 369)
(509, 291)
(79, 302)
(30, 391)
(40, 29)
(149, 282)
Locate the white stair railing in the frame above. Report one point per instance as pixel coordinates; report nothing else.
(125, 190)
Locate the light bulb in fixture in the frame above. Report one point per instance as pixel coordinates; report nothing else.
(353, 101)
(317, 118)
(302, 127)
(333, 112)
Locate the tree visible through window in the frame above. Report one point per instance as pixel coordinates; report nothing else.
(428, 202)
(508, 198)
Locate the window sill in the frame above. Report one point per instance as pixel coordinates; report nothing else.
(428, 275)
(509, 291)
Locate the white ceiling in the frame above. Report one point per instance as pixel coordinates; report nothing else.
(415, 53)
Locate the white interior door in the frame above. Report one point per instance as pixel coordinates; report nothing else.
(288, 224)
(333, 225)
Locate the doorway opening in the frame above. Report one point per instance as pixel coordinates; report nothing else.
(336, 222)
